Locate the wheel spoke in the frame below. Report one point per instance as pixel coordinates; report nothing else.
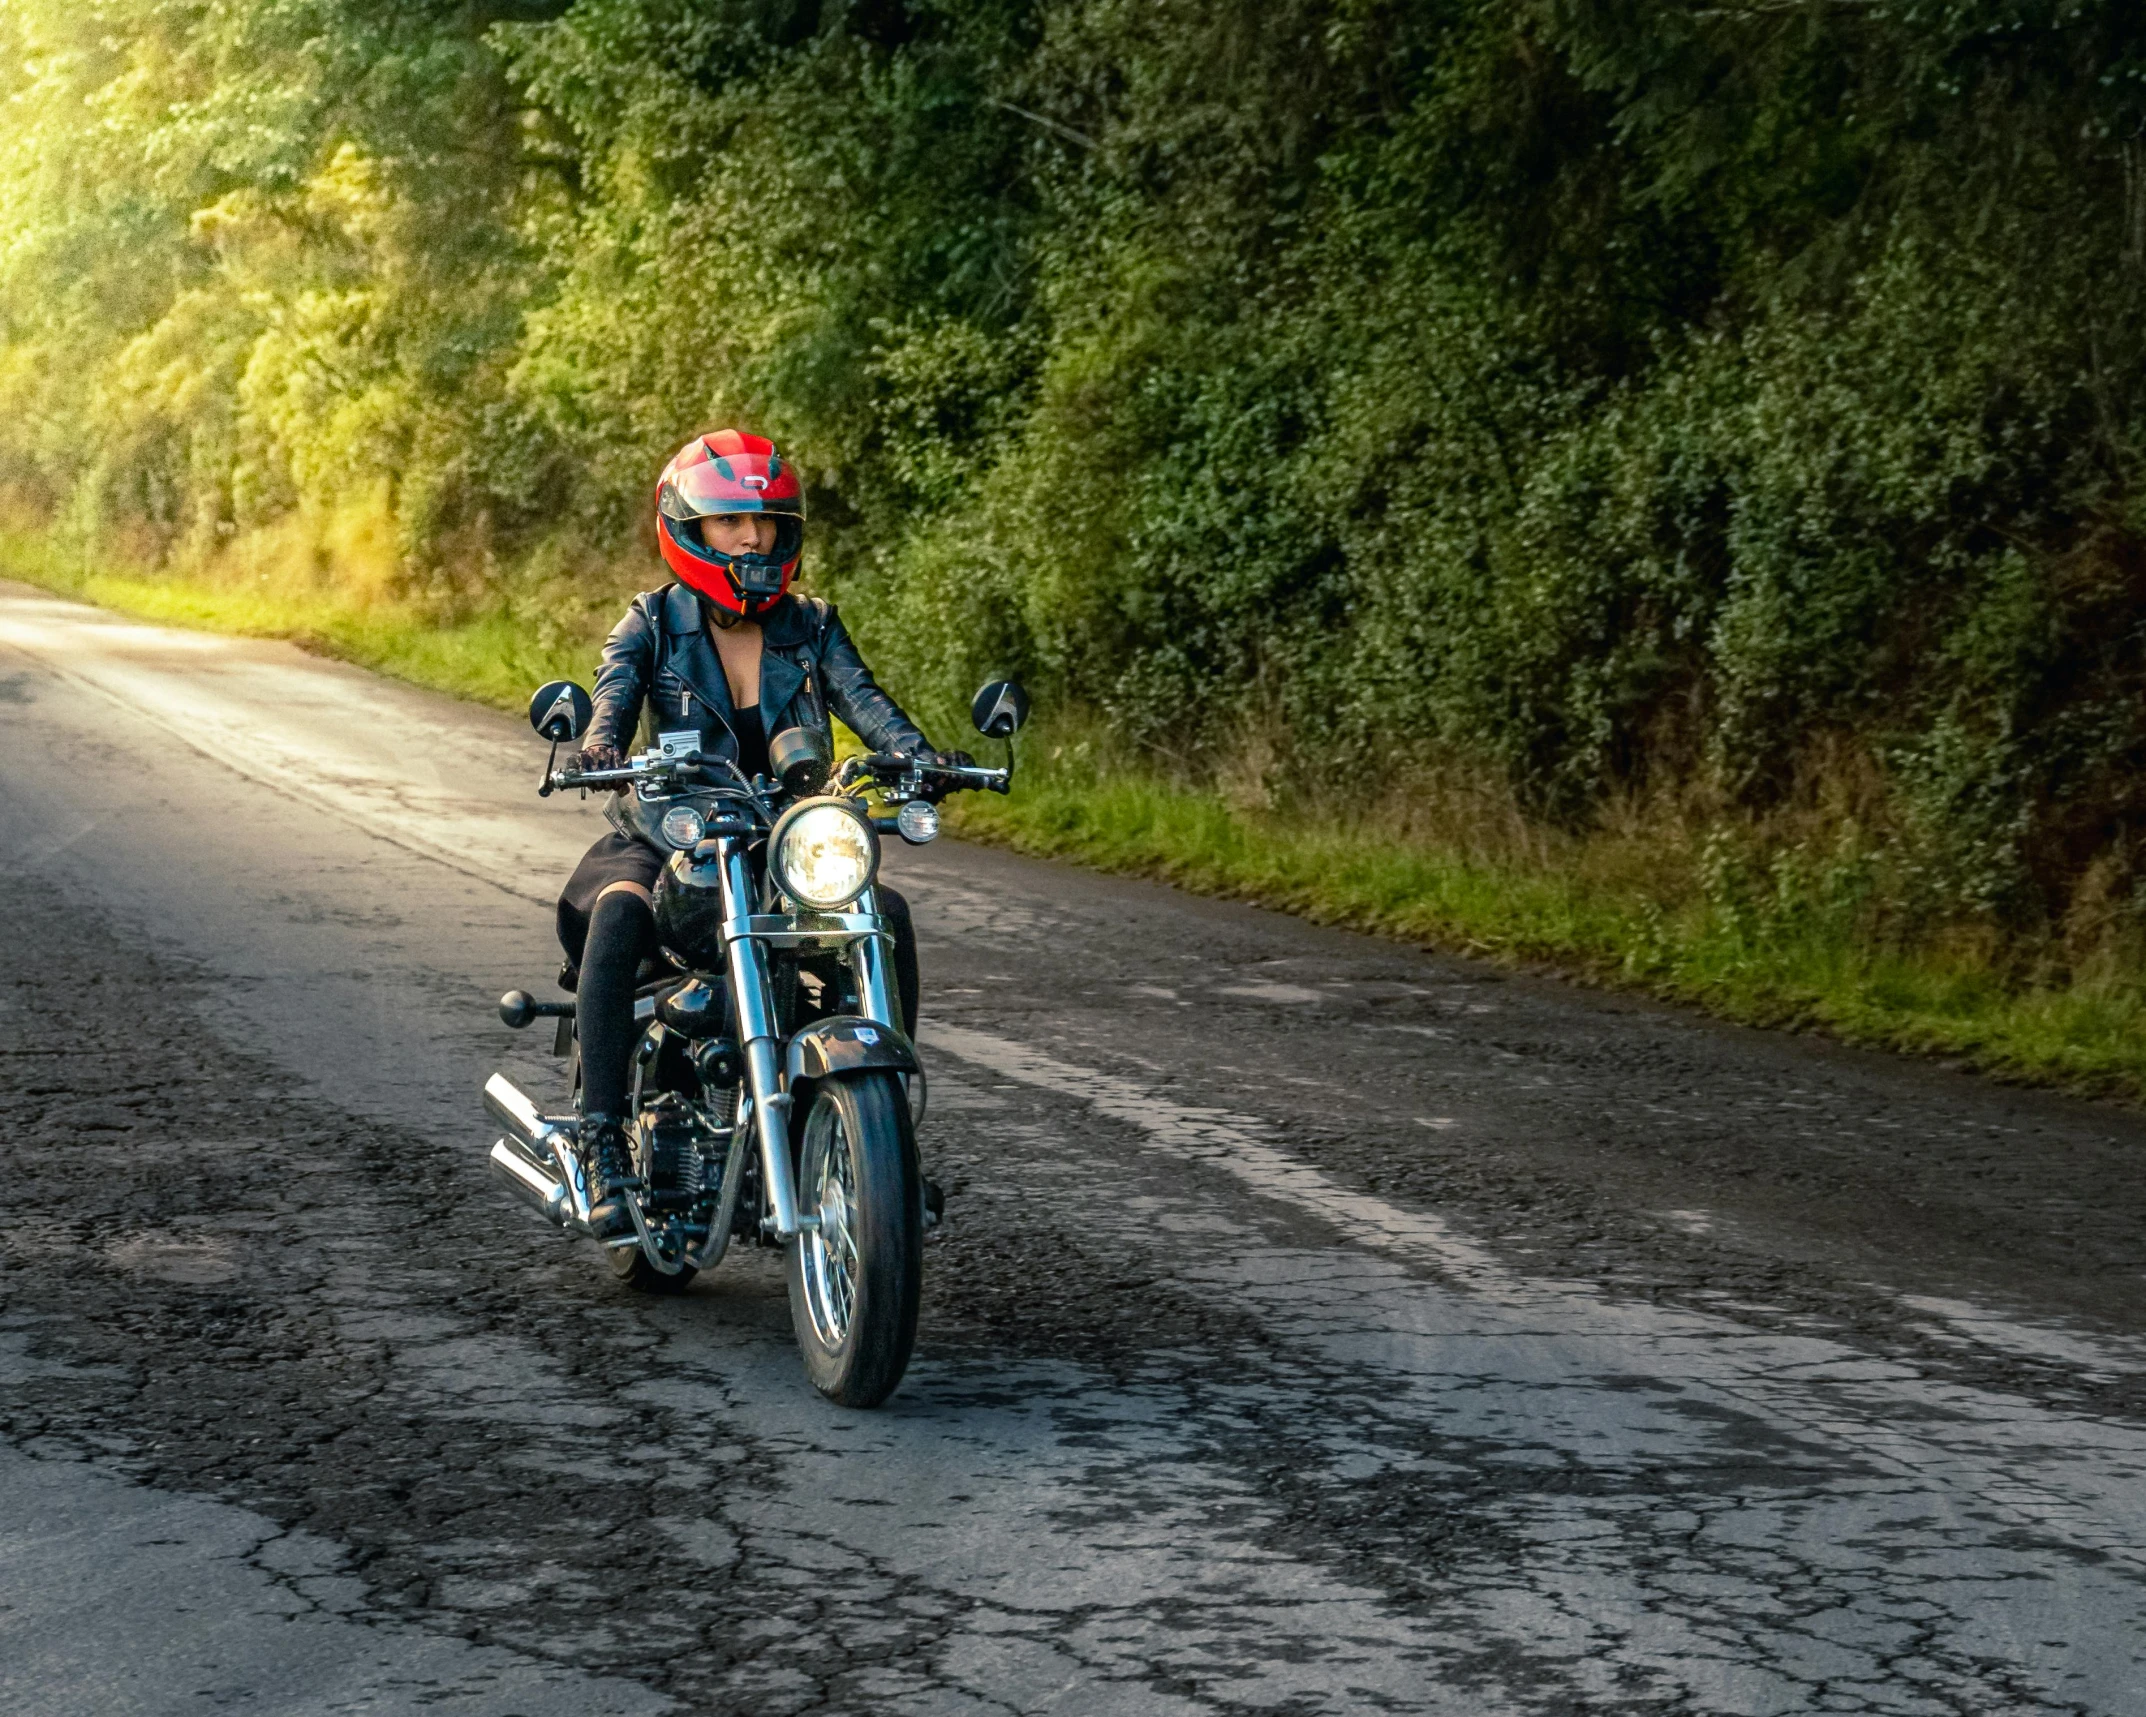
(830, 1251)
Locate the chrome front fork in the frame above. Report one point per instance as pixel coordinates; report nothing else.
(871, 959)
(753, 993)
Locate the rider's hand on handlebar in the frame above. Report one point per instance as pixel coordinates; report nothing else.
(601, 757)
(953, 759)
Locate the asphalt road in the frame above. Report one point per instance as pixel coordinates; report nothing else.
(1317, 1326)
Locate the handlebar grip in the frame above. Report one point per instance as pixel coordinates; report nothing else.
(981, 779)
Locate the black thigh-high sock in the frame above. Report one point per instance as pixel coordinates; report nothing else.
(622, 933)
(895, 908)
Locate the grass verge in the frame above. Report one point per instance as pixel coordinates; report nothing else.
(1793, 968)
(1751, 961)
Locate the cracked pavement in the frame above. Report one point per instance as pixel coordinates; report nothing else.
(1318, 1325)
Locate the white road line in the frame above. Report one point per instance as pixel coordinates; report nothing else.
(1965, 1441)
(1231, 1143)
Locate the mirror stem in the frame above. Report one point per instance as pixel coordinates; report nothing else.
(544, 785)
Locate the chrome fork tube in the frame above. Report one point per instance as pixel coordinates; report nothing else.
(871, 959)
(750, 988)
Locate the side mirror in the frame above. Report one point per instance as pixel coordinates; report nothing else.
(999, 709)
(801, 761)
(560, 711)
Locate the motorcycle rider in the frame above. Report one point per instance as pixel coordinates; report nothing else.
(730, 651)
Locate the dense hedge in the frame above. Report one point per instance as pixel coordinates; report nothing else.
(1625, 394)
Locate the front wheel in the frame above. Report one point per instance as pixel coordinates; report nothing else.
(856, 1277)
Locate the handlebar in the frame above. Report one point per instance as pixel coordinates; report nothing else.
(889, 769)
(647, 767)
(884, 769)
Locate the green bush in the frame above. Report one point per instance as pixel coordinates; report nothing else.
(1731, 411)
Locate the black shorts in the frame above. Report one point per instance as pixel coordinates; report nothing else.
(614, 858)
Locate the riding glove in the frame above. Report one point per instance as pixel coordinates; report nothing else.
(601, 757)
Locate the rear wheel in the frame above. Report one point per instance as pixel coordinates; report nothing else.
(856, 1277)
(631, 1266)
(629, 1263)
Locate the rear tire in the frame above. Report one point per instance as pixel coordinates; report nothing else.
(629, 1263)
(855, 1283)
(631, 1266)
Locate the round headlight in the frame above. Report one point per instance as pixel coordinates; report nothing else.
(683, 826)
(824, 853)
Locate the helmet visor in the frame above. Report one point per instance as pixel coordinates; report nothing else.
(753, 574)
(736, 483)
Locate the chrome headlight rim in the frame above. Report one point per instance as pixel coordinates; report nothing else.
(784, 830)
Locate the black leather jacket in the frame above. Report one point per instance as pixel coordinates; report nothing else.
(660, 674)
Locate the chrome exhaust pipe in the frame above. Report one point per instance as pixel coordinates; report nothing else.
(510, 1107)
(531, 1183)
(541, 1163)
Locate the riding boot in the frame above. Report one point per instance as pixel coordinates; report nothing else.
(608, 1163)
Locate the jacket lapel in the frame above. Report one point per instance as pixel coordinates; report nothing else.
(779, 679)
(693, 658)
(788, 634)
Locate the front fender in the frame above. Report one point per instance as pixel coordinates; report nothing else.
(846, 1043)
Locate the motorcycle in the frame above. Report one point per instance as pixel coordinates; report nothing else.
(775, 1092)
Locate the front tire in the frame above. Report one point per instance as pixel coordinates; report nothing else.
(855, 1281)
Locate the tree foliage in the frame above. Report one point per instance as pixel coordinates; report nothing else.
(1620, 393)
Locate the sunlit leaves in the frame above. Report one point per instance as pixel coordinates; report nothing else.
(1624, 394)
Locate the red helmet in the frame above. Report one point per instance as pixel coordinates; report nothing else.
(731, 472)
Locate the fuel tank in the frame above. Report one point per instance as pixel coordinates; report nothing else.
(689, 911)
